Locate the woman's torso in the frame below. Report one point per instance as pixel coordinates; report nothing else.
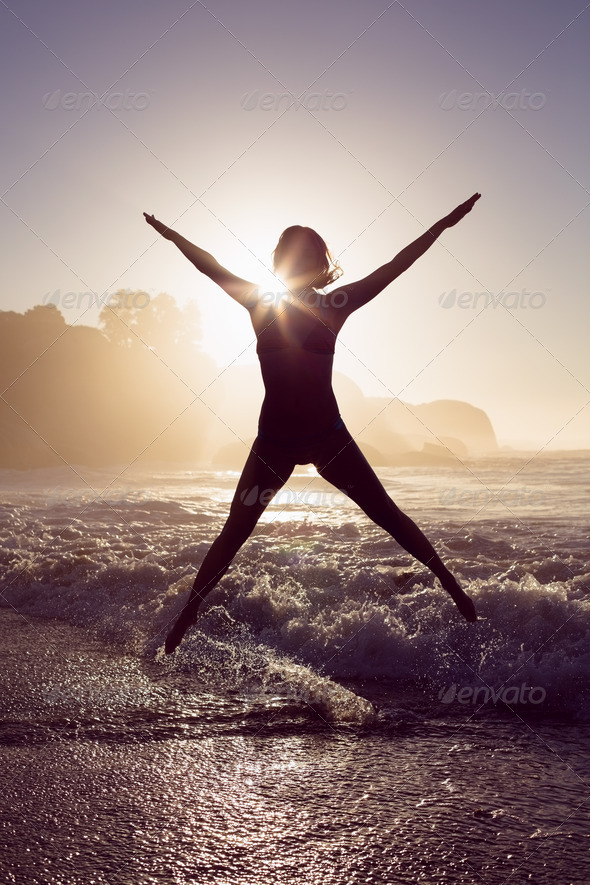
(295, 346)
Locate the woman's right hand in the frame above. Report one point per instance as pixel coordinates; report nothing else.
(158, 226)
(461, 211)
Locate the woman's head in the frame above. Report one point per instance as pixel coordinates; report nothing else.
(302, 255)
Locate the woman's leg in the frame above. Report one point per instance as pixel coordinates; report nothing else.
(346, 467)
(265, 472)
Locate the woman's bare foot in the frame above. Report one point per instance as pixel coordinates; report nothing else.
(186, 619)
(463, 602)
(174, 638)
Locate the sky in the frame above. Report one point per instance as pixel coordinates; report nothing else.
(400, 111)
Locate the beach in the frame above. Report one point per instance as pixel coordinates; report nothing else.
(331, 718)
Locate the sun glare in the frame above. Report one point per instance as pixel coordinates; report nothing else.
(249, 255)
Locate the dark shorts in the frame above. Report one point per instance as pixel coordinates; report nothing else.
(318, 449)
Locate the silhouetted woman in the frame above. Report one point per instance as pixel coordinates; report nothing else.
(299, 421)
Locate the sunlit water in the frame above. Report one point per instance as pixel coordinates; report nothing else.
(332, 719)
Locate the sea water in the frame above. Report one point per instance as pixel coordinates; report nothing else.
(331, 718)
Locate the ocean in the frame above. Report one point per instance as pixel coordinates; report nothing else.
(331, 718)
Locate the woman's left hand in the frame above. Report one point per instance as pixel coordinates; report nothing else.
(461, 211)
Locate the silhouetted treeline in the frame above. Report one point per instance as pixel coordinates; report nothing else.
(93, 396)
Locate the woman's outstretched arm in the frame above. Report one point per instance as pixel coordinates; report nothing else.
(236, 287)
(364, 290)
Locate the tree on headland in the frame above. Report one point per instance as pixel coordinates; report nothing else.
(120, 317)
(136, 319)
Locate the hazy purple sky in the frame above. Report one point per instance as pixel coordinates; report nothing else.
(407, 109)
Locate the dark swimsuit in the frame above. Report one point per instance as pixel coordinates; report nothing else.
(302, 440)
(306, 330)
